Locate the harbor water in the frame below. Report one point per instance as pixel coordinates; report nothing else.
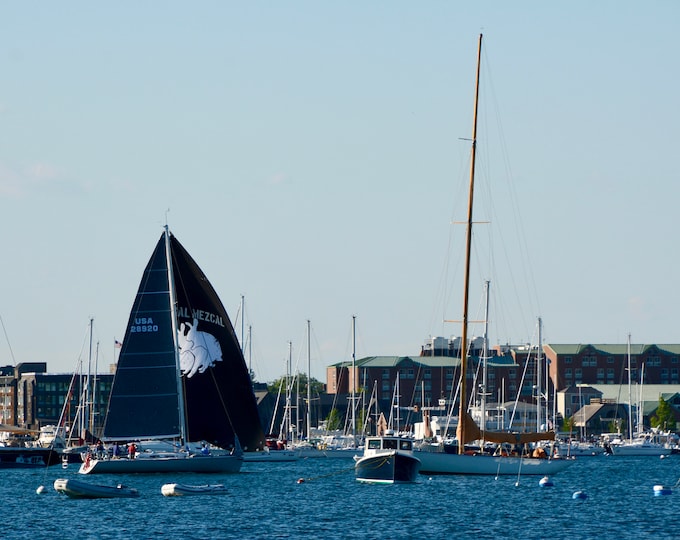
(269, 500)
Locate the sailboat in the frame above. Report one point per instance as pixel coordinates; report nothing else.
(434, 458)
(181, 392)
(644, 444)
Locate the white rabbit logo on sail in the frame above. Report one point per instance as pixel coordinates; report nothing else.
(198, 350)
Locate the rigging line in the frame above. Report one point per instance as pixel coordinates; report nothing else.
(525, 260)
(11, 352)
(224, 405)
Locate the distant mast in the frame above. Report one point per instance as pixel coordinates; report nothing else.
(309, 383)
(354, 358)
(462, 410)
(630, 396)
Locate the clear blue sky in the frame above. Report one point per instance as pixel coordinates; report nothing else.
(310, 154)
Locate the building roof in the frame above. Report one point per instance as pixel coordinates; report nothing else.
(617, 348)
(426, 361)
(650, 392)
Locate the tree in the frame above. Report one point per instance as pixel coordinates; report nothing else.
(664, 417)
(316, 386)
(333, 420)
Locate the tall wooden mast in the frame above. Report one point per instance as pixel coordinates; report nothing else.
(462, 410)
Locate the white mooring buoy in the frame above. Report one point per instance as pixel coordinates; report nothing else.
(545, 482)
(662, 490)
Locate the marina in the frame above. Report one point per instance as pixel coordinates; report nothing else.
(317, 159)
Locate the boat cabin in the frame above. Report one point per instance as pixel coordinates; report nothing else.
(389, 443)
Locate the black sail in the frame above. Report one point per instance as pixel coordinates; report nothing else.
(218, 398)
(218, 390)
(144, 401)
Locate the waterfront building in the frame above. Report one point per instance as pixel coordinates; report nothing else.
(32, 398)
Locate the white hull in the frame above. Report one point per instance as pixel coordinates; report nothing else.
(332, 453)
(580, 450)
(164, 463)
(180, 490)
(84, 490)
(443, 463)
(270, 456)
(639, 450)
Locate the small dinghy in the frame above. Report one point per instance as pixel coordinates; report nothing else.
(179, 490)
(84, 490)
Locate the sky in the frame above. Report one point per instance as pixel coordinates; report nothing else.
(313, 157)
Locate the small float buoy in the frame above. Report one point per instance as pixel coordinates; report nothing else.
(545, 482)
(662, 456)
(40, 490)
(301, 481)
(579, 495)
(662, 490)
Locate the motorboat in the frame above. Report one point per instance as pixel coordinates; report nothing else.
(387, 459)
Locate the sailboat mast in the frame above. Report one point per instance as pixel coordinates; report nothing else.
(539, 376)
(462, 411)
(86, 413)
(173, 320)
(309, 384)
(630, 397)
(93, 393)
(354, 357)
(485, 360)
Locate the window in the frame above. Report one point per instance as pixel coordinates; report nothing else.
(449, 374)
(386, 374)
(567, 359)
(390, 444)
(427, 374)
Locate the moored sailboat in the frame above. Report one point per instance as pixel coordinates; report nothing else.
(434, 458)
(182, 390)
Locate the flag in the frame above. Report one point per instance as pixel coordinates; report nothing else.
(117, 344)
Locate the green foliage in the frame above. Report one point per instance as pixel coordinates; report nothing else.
(317, 387)
(568, 424)
(334, 420)
(664, 418)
